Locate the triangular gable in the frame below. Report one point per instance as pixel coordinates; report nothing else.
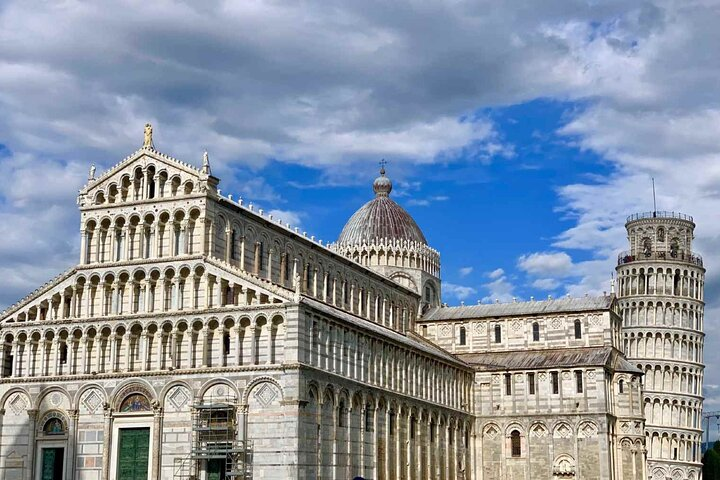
(125, 170)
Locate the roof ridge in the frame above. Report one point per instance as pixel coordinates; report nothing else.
(135, 155)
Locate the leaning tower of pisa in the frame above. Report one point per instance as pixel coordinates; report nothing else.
(660, 296)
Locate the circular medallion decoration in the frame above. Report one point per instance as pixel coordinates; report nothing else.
(55, 399)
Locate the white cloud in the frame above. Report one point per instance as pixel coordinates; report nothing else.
(459, 292)
(546, 283)
(465, 271)
(543, 264)
(288, 216)
(497, 273)
(424, 202)
(500, 288)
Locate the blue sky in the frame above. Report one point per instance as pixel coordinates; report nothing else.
(518, 134)
(506, 206)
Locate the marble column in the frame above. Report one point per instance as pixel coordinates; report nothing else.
(127, 346)
(204, 347)
(143, 339)
(113, 351)
(97, 345)
(85, 355)
(174, 348)
(253, 345)
(157, 439)
(107, 432)
(157, 340)
(72, 442)
(32, 419)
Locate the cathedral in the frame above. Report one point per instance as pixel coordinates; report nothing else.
(199, 338)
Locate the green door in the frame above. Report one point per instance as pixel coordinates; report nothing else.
(216, 469)
(52, 463)
(133, 453)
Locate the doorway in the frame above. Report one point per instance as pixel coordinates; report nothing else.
(216, 469)
(52, 463)
(133, 453)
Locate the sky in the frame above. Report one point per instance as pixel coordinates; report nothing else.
(519, 135)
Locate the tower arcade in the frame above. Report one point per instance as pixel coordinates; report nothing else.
(660, 294)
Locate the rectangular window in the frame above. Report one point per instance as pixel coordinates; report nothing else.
(531, 383)
(498, 334)
(63, 353)
(412, 427)
(424, 330)
(432, 432)
(391, 426)
(508, 384)
(579, 381)
(555, 379)
(463, 336)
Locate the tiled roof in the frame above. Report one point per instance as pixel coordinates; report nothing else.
(553, 358)
(581, 304)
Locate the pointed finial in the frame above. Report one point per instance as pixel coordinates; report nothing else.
(91, 174)
(382, 164)
(612, 284)
(148, 140)
(206, 164)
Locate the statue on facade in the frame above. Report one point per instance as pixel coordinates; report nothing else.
(91, 174)
(206, 164)
(148, 141)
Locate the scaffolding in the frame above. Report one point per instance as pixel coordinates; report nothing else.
(216, 448)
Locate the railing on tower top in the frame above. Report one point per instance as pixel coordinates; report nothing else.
(640, 216)
(627, 257)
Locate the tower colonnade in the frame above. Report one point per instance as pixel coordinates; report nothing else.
(660, 296)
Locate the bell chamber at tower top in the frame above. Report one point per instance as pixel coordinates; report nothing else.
(663, 236)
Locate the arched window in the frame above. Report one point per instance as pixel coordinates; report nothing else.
(536, 331)
(429, 294)
(498, 333)
(463, 335)
(342, 414)
(578, 329)
(621, 386)
(647, 246)
(54, 426)
(515, 445)
(369, 419)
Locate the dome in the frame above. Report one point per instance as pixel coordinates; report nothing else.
(380, 218)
